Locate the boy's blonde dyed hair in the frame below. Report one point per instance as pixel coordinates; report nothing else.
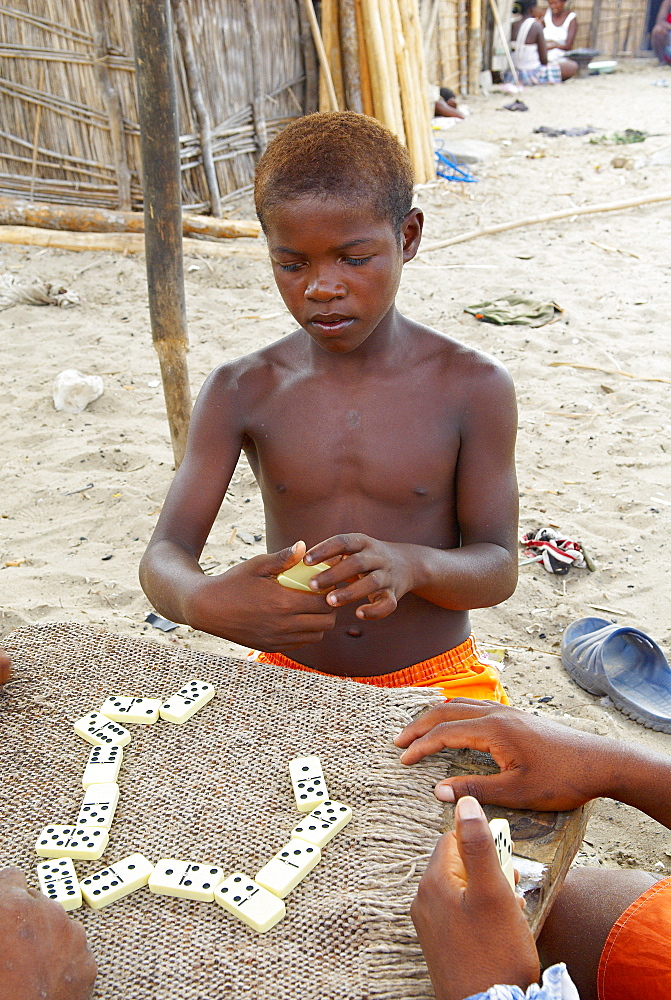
(336, 154)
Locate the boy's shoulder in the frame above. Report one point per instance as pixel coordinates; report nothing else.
(457, 360)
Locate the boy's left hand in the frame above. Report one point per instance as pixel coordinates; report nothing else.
(366, 568)
(469, 922)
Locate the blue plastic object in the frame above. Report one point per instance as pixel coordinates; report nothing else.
(450, 170)
(623, 663)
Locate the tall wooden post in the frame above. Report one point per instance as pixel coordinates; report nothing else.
(475, 47)
(157, 106)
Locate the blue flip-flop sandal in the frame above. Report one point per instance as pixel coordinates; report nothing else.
(580, 645)
(623, 663)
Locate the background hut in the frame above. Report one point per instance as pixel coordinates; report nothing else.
(68, 127)
(68, 110)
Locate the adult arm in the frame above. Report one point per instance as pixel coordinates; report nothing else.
(43, 955)
(537, 35)
(544, 765)
(482, 571)
(244, 604)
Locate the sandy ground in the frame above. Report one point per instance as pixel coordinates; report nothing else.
(81, 493)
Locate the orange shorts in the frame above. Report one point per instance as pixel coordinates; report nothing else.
(635, 962)
(462, 672)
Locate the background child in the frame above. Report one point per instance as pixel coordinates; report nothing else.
(384, 447)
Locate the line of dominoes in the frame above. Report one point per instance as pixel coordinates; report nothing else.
(87, 837)
(257, 902)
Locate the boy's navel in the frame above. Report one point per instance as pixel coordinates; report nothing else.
(353, 631)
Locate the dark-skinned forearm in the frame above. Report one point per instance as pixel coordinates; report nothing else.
(637, 776)
(169, 576)
(476, 576)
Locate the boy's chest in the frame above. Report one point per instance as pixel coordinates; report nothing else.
(394, 448)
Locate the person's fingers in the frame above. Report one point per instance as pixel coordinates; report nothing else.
(382, 604)
(274, 563)
(12, 878)
(453, 711)
(337, 545)
(5, 666)
(492, 789)
(478, 853)
(454, 735)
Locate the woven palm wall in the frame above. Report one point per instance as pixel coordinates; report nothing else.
(615, 27)
(66, 72)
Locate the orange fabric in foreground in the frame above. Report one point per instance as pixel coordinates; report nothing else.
(635, 962)
(462, 672)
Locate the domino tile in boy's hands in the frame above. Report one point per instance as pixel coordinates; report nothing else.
(308, 782)
(99, 805)
(504, 848)
(86, 843)
(58, 881)
(289, 867)
(181, 706)
(172, 877)
(102, 766)
(100, 731)
(299, 576)
(116, 881)
(323, 823)
(250, 902)
(141, 710)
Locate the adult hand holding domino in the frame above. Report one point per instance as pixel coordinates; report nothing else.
(246, 605)
(465, 899)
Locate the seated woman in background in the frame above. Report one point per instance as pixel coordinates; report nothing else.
(560, 27)
(660, 37)
(529, 51)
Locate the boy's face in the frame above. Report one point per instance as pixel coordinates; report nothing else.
(338, 267)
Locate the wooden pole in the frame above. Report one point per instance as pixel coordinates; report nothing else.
(475, 47)
(463, 45)
(112, 102)
(122, 243)
(504, 41)
(321, 54)
(258, 98)
(377, 60)
(82, 219)
(364, 66)
(410, 16)
(567, 213)
(159, 136)
(311, 100)
(350, 56)
(411, 100)
(594, 24)
(392, 68)
(330, 31)
(195, 86)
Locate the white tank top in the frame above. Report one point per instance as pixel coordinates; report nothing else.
(556, 33)
(525, 56)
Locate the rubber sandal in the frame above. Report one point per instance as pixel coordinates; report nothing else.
(580, 645)
(623, 663)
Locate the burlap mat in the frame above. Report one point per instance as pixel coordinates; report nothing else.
(217, 789)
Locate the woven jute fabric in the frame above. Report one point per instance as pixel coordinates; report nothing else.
(217, 789)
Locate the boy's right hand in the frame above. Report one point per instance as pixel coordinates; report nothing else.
(247, 605)
(44, 955)
(5, 666)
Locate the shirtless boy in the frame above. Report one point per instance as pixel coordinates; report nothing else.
(379, 445)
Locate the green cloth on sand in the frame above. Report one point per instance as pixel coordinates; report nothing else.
(520, 310)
